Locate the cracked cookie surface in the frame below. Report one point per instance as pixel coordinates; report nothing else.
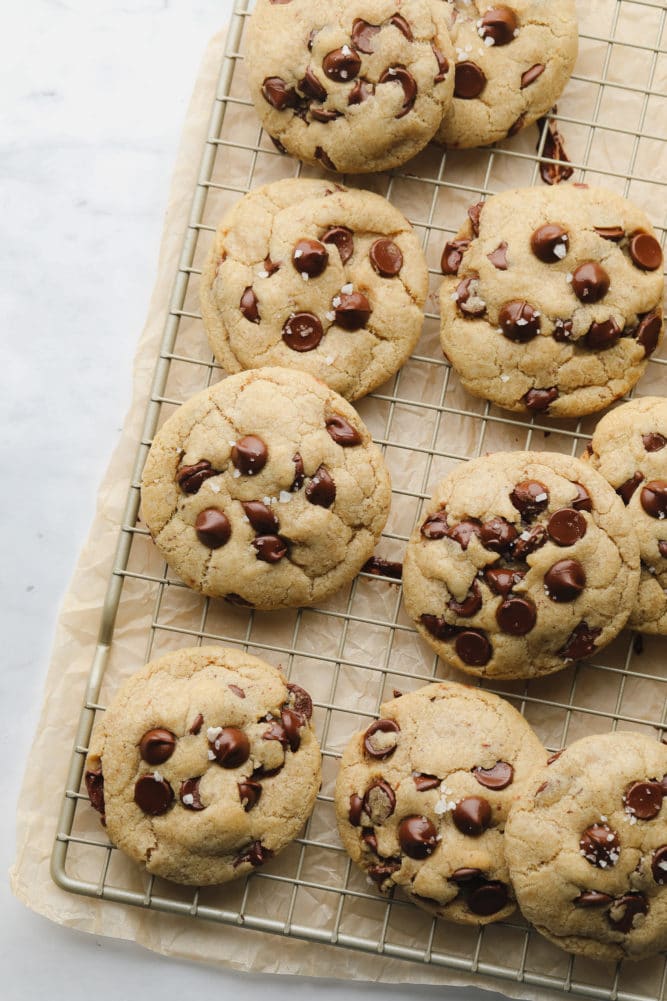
(587, 847)
(352, 85)
(512, 62)
(629, 448)
(205, 765)
(522, 563)
(306, 274)
(423, 794)
(552, 299)
(266, 489)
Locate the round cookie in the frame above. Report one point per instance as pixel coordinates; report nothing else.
(552, 299)
(352, 85)
(629, 448)
(310, 275)
(423, 794)
(205, 765)
(587, 847)
(522, 563)
(265, 489)
(512, 62)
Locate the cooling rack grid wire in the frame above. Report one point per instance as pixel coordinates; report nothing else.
(354, 650)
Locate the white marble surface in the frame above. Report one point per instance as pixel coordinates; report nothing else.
(93, 96)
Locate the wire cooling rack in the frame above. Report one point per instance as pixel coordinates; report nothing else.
(425, 424)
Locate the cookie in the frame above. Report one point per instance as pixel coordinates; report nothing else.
(522, 563)
(310, 275)
(351, 85)
(629, 448)
(552, 299)
(265, 489)
(587, 847)
(512, 63)
(205, 765)
(423, 794)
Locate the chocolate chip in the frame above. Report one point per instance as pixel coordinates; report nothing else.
(399, 74)
(278, 94)
(627, 489)
(249, 793)
(473, 648)
(592, 898)
(379, 802)
(550, 243)
(645, 251)
(310, 257)
(600, 845)
(189, 794)
(648, 331)
(644, 799)
(249, 455)
(321, 490)
(452, 256)
(381, 738)
(299, 474)
(237, 691)
(197, 724)
(654, 498)
(530, 498)
(555, 756)
(472, 815)
(363, 34)
(270, 548)
(342, 431)
(516, 126)
(475, 215)
(603, 335)
(386, 257)
(467, 297)
(662, 548)
(625, 909)
(276, 731)
(255, 854)
(279, 146)
(554, 149)
(501, 581)
(498, 257)
(590, 282)
(153, 794)
(384, 870)
(531, 75)
(488, 898)
(498, 24)
(465, 875)
(190, 478)
(417, 837)
(470, 605)
(369, 839)
(261, 517)
(659, 865)
(378, 567)
(94, 781)
(300, 701)
(361, 91)
(498, 777)
(237, 599)
(520, 322)
(231, 747)
(469, 80)
(292, 722)
(352, 310)
(582, 502)
(435, 526)
(342, 238)
(613, 233)
(516, 616)
(581, 642)
(302, 331)
(354, 812)
(565, 580)
(497, 535)
(539, 400)
(248, 305)
(270, 266)
(341, 64)
(566, 526)
(464, 531)
(562, 331)
(438, 627)
(399, 22)
(213, 528)
(324, 158)
(654, 442)
(424, 782)
(157, 746)
(529, 542)
(443, 64)
(311, 86)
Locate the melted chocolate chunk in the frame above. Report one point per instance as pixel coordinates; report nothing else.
(189, 794)
(443, 64)
(475, 215)
(94, 781)
(465, 875)
(255, 854)
(648, 331)
(352, 310)
(519, 321)
(501, 581)
(383, 568)
(516, 126)
(425, 782)
(435, 526)
(625, 910)
(354, 812)
(438, 627)
(627, 489)
(270, 548)
(472, 815)
(565, 580)
(362, 90)
(613, 233)
(488, 898)
(249, 793)
(379, 802)
(399, 22)
(271, 266)
(302, 331)
(654, 498)
(363, 34)
(539, 400)
(566, 526)
(231, 747)
(582, 502)
(468, 298)
(497, 777)
(197, 724)
(516, 616)
(470, 605)
(602, 336)
(452, 256)
(381, 738)
(645, 252)
(399, 74)
(369, 839)
(342, 431)
(644, 799)
(654, 442)
(299, 474)
(261, 517)
(592, 898)
(662, 548)
(341, 64)
(600, 846)
(157, 746)
(153, 795)
(417, 837)
(384, 870)
(498, 257)
(530, 498)
(562, 331)
(473, 647)
(249, 455)
(276, 92)
(659, 865)
(532, 74)
(343, 240)
(292, 722)
(321, 490)
(190, 478)
(550, 243)
(237, 691)
(498, 535)
(581, 642)
(554, 149)
(529, 542)
(324, 158)
(249, 306)
(213, 528)
(310, 257)
(386, 258)
(464, 531)
(469, 80)
(498, 24)
(590, 282)
(299, 700)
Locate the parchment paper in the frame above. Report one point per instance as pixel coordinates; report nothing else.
(78, 624)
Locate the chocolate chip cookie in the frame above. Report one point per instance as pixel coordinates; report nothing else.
(552, 299)
(587, 847)
(423, 794)
(265, 489)
(522, 563)
(310, 275)
(512, 62)
(205, 765)
(351, 85)
(629, 448)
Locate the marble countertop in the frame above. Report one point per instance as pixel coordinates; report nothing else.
(94, 95)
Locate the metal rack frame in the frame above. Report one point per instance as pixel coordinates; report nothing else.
(532, 962)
